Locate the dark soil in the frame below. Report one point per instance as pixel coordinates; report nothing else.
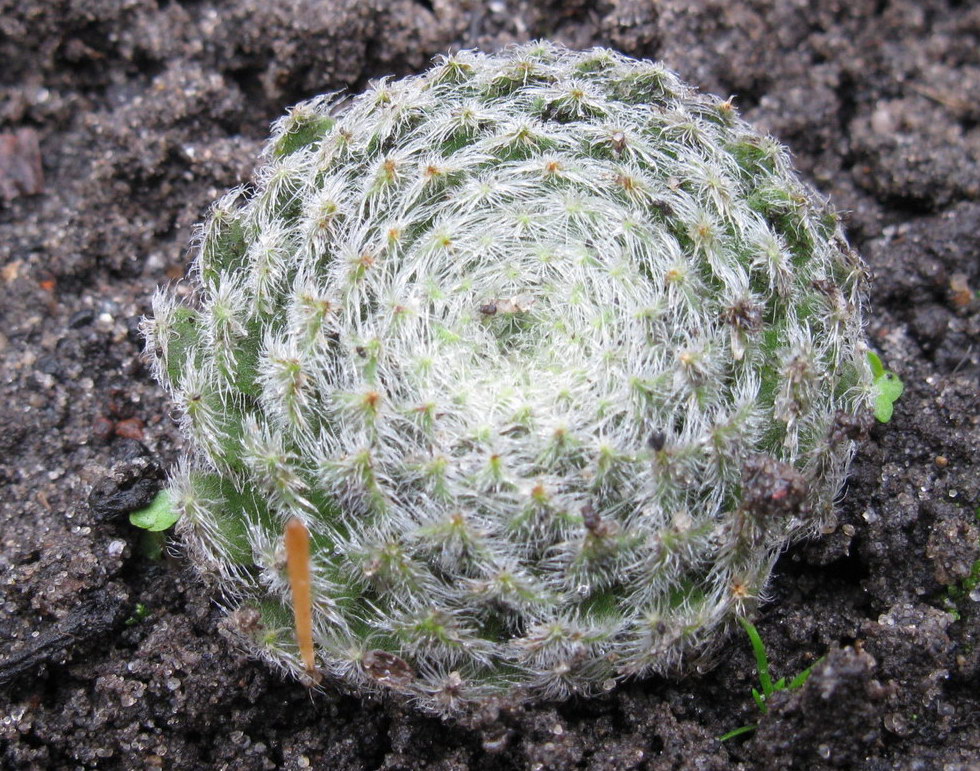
(142, 111)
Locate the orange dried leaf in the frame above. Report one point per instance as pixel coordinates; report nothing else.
(298, 567)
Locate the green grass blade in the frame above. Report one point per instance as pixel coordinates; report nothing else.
(800, 679)
(761, 660)
(737, 732)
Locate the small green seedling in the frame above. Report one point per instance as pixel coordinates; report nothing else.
(160, 515)
(888, 387)
(765, 679)
(139, 613)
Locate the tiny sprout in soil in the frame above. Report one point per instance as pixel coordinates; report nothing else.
(888, 387)
(765, 679)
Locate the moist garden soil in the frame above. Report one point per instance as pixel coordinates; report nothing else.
(120, 120)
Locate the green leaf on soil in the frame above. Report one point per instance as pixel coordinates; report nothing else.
(158, 516)
(888, 387)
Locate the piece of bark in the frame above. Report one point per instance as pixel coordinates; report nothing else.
(20, 164)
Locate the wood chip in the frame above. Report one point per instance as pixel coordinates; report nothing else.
(20, 164)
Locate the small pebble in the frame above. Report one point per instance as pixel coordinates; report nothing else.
(20, 164)
(81, 318)
(960, 292)
(131, 428)
(102, 428)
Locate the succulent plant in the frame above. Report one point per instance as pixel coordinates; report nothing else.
(549, 353)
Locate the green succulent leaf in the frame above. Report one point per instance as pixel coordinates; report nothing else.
(301, 133)
(160, 515)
